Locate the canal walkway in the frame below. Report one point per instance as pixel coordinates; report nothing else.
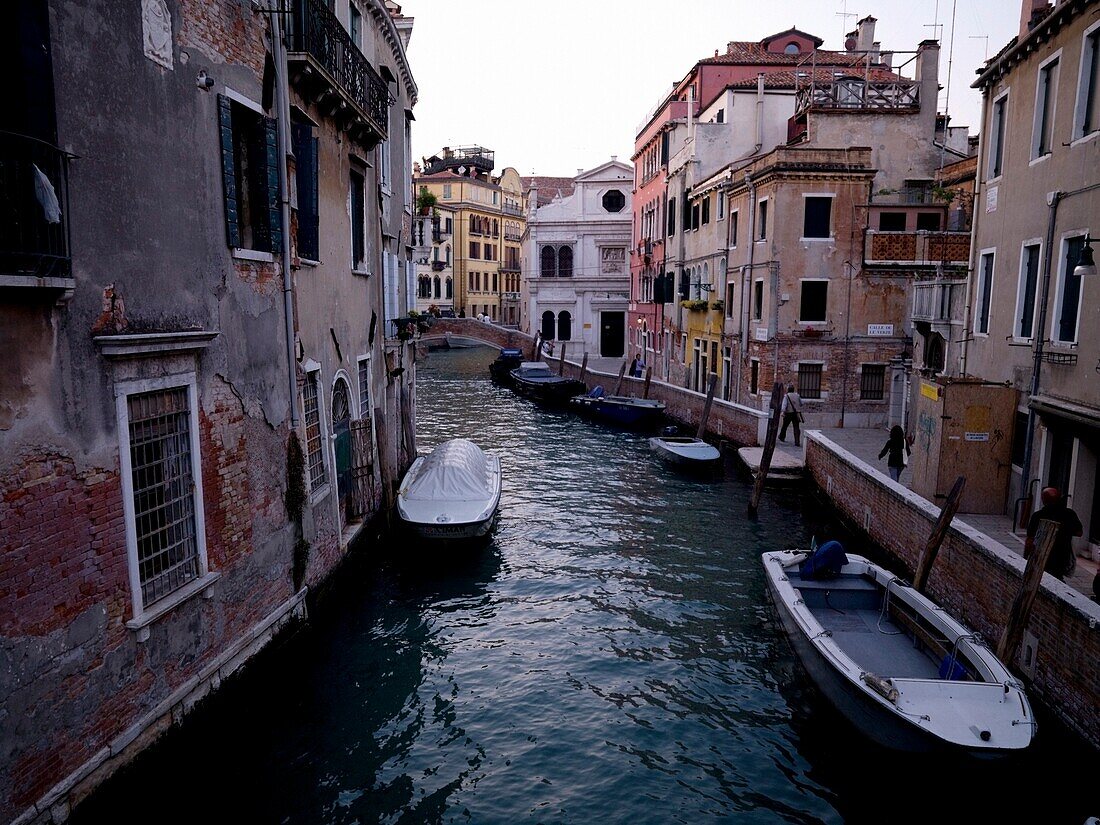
(865, 444)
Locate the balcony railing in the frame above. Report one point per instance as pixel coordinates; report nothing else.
(512, 209)
(509, 266)
(855, 93)
(917, 248)
(34, 196)
(328, 61)
(512, 236)
(938, 301)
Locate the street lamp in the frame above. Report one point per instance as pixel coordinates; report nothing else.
(1085, 264)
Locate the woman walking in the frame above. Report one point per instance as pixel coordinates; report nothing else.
(898, 447)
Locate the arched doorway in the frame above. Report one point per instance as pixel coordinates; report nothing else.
(341, 430)
(565, 326)
(548, 326)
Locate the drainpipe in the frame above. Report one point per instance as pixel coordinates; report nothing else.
(746, 276)
(282, 96)
(759, 112)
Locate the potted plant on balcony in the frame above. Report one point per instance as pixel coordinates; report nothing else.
(718, 306)
(694, 306)
(425, 201)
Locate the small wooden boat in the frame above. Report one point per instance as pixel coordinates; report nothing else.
(904, 672)
(618, 409)
(533, 379)
(685, 451)
(461, 341)
(451, 493)
(508, 360)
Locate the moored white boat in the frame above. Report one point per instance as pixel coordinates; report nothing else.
(685, 451)
(905, 673)
(451, 493)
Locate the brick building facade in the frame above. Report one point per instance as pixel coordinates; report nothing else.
(164, 323)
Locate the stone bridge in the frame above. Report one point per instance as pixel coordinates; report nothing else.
(489, 334)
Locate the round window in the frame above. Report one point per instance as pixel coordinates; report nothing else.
(614, 201)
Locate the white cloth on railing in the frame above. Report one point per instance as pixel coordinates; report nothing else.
(47, 197)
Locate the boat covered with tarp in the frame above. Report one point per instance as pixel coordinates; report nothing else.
(453, 492)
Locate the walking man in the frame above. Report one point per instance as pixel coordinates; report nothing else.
(792, 414)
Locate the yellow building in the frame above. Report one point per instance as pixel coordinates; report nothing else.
(488, 224)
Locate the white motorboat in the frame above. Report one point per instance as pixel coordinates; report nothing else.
(451, 493)
(685, 451)
(904, 672)
(460, 341)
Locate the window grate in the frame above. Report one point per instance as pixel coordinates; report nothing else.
(315, 459)
(809, 380)
(364, 389)
(164, 505)
(872, 382)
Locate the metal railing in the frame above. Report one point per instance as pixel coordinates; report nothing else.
(315, 30)
(34, 207)
(511, 209)
(921, 247)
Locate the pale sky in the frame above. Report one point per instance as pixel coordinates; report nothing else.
(553, 87)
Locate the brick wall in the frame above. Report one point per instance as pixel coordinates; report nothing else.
(976, 580)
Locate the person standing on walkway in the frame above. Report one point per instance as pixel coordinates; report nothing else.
(634, 367)
(792, 414)
(898, 447)
(1060, 562)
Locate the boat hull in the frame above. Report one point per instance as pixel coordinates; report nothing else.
(451, 532)
(631, 416)
(547, 392)
(887, 685)
(696, 454)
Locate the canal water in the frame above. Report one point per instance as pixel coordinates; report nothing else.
(609, 657)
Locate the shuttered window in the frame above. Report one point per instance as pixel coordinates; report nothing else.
(250, 177)
(305, 176)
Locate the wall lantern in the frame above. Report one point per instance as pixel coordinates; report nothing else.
(1085, 264)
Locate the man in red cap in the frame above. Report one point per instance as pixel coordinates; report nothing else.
(1060, 560)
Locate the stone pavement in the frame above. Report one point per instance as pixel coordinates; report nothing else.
(865, 443)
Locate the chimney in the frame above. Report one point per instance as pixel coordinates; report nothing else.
(886, 60)
(876, 50)
(927, 74)
(865, 38)
(1028, 10)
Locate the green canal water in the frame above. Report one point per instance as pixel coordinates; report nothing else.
(609, 657)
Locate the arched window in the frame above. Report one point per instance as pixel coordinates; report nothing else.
(447, 253)
(450, 289)
(436, 287)
(549, 262)
(548, 326)
(706, 276)
(791, 48)
(565, 262)
(565, 326)
(694, 280)
(934, 353)
(425, 287)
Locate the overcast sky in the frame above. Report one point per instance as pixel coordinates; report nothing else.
(557, 86)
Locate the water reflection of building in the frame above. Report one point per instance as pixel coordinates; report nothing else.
(576, 276)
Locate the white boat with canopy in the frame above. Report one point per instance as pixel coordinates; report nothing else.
(452, 493)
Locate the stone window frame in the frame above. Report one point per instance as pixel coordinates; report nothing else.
(995, 171)
(313, 372)
(823, 394)
(1044, 121)
(761, 228)
(984, 296)
(144, 615)
(831, 236)
(1056, 310)
(1086, 88)
(883, 397)
(801, 296)
(1021, 283)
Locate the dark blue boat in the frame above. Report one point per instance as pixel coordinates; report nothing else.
(534, 380)
(508, 360)
(634, 413)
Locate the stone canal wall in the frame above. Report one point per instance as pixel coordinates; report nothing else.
(975, 579)
(734, 422)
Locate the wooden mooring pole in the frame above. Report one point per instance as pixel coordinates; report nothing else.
(706, 407)
(1020, 612)
(561, 360)
(932, 546)
(384, 466)
(769, 447)
(648, 378)
(619, 385)
(584, 367)
(537, 348)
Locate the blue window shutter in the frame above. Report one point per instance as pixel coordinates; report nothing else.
(274, 208)
(229, 172)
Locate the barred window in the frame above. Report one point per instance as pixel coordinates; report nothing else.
(315, 457)
(364, 388)
(872, 382)
(809, 380)
(162, 473)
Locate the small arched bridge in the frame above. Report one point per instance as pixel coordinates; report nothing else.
(488, 334)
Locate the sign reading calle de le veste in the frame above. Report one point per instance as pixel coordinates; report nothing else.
(880, 330)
